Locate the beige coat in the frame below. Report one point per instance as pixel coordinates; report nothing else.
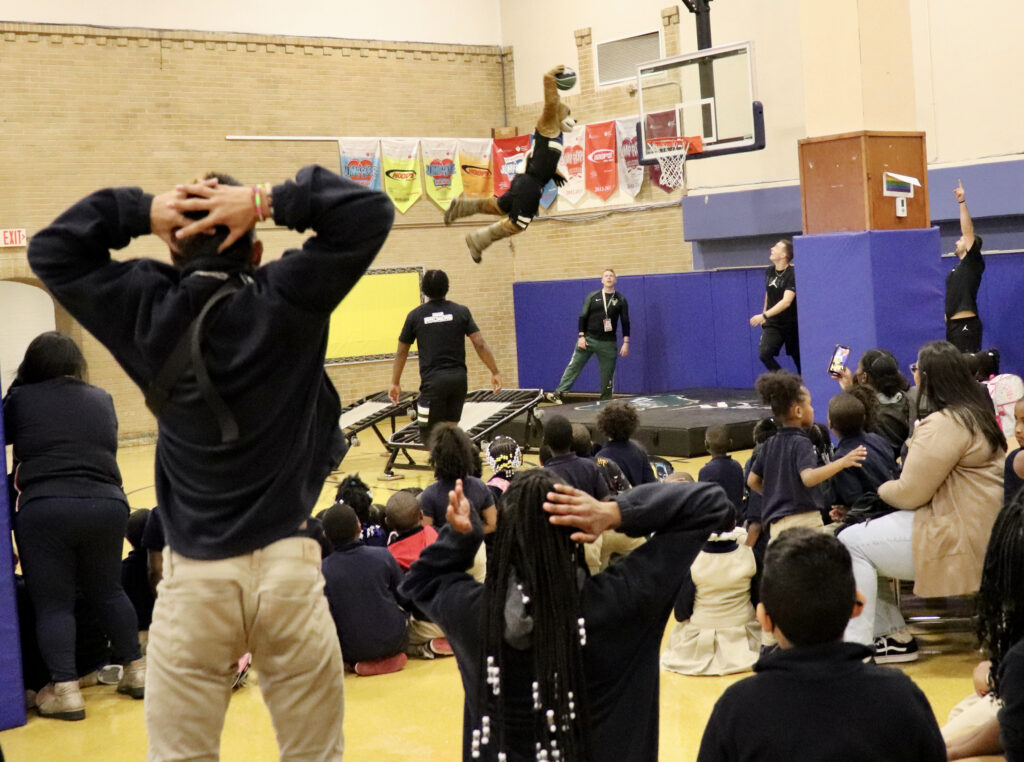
(954, 482)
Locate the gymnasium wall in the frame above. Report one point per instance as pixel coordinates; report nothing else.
(476, 23)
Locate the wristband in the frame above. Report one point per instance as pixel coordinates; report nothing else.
(257, 202)
(962, 202)
(764, 316)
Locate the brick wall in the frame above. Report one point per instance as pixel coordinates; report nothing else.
(91, 107)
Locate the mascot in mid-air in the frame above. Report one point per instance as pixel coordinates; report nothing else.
(520, 202)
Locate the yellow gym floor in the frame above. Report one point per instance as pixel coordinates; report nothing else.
(415, 714)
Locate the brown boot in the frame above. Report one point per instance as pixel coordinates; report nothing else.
(134, 681)
(61, 701)
(481, 238)
(463, 207)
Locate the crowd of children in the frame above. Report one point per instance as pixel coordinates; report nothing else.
(459, 568)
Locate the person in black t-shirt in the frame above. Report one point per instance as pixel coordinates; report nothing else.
(599, 318)
(963, 326)
(778, 318)
(439, 327)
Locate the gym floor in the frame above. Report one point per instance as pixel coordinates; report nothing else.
(415, 714)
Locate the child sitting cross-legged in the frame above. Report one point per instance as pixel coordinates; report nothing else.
(816, 698)
(408, 538)
(360, 582)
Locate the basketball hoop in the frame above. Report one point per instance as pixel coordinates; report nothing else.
(671, 155)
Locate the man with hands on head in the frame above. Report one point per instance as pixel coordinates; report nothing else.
(624, 609)
(230, 356)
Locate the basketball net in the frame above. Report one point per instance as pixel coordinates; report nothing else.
(671, 155)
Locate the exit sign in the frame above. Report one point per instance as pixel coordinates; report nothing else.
(13, 237)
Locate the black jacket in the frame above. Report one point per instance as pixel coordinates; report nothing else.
(822, 703)
(626, 609)
(263, 346)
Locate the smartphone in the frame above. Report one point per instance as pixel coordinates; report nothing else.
(838, 362)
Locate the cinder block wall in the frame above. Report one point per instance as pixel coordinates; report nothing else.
(91, 107)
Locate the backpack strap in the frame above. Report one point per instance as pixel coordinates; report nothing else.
(189, 350)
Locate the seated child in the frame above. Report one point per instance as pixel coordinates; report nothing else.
(454, 456)
(721, 469)
(1014, 471)
(360, 582)
(135, 572)
(846, 417)
(998, 722)
(815, 698)
(763, 431)
(408, 537)
(407, 540)
(584, 447)
(581, 473)
(505, 458)
(716, 632)
(786, 472)
(354, 492)
(618, 421)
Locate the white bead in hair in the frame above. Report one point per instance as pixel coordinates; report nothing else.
(583, 631)
(493, 676)
(551, 721)
(485, 735)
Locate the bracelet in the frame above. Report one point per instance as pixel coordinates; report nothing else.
(962, 202)
(257, 202)
(764, 316)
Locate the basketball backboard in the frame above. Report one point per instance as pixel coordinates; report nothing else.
(707, 97)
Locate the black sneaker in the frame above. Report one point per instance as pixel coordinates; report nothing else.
(889, 650)
(553, 397)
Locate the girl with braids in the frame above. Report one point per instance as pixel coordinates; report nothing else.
(949, 493)
(1001, 632)
(556, 664)
(505, 459)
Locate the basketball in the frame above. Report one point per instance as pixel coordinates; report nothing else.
(566, 80)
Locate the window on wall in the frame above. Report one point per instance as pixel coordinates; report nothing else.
(617, 59)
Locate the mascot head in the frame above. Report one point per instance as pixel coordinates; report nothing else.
(565, 119)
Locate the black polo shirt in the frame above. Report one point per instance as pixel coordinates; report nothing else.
(439, 328)
(963, 281)
(777, 283)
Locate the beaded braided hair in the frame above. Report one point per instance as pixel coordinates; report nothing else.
(504, 457)
(541, 565)
(1000, 600)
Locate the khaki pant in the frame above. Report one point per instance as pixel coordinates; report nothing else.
(809, 519)
(269, 602)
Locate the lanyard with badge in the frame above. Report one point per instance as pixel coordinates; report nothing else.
(607, 320)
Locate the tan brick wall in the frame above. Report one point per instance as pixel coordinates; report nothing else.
(89, 107)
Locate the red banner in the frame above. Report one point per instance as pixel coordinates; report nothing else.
(602, 165)
(509, 153)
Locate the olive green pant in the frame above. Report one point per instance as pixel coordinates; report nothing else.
(606, 352)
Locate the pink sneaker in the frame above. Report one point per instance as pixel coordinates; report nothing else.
(381, 666)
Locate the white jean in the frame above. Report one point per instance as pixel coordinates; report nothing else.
(880, 546)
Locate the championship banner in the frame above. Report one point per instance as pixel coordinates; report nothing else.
(400, 165)
(475, 167)
(360, 161)
(509, 153)
(601, 164)
(571, 166)
(631, 171)
(661, 124)
(441, 177)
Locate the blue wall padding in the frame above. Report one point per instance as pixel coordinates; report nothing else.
(12, 691)
(866, 290)
(1001, 305)
(688, 330)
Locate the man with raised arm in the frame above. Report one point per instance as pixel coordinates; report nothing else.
(230, 356)
(963, 326)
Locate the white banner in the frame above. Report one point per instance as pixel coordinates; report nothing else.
(631, 171)
(571, 165)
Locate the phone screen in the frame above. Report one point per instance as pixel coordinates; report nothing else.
(838, 362)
